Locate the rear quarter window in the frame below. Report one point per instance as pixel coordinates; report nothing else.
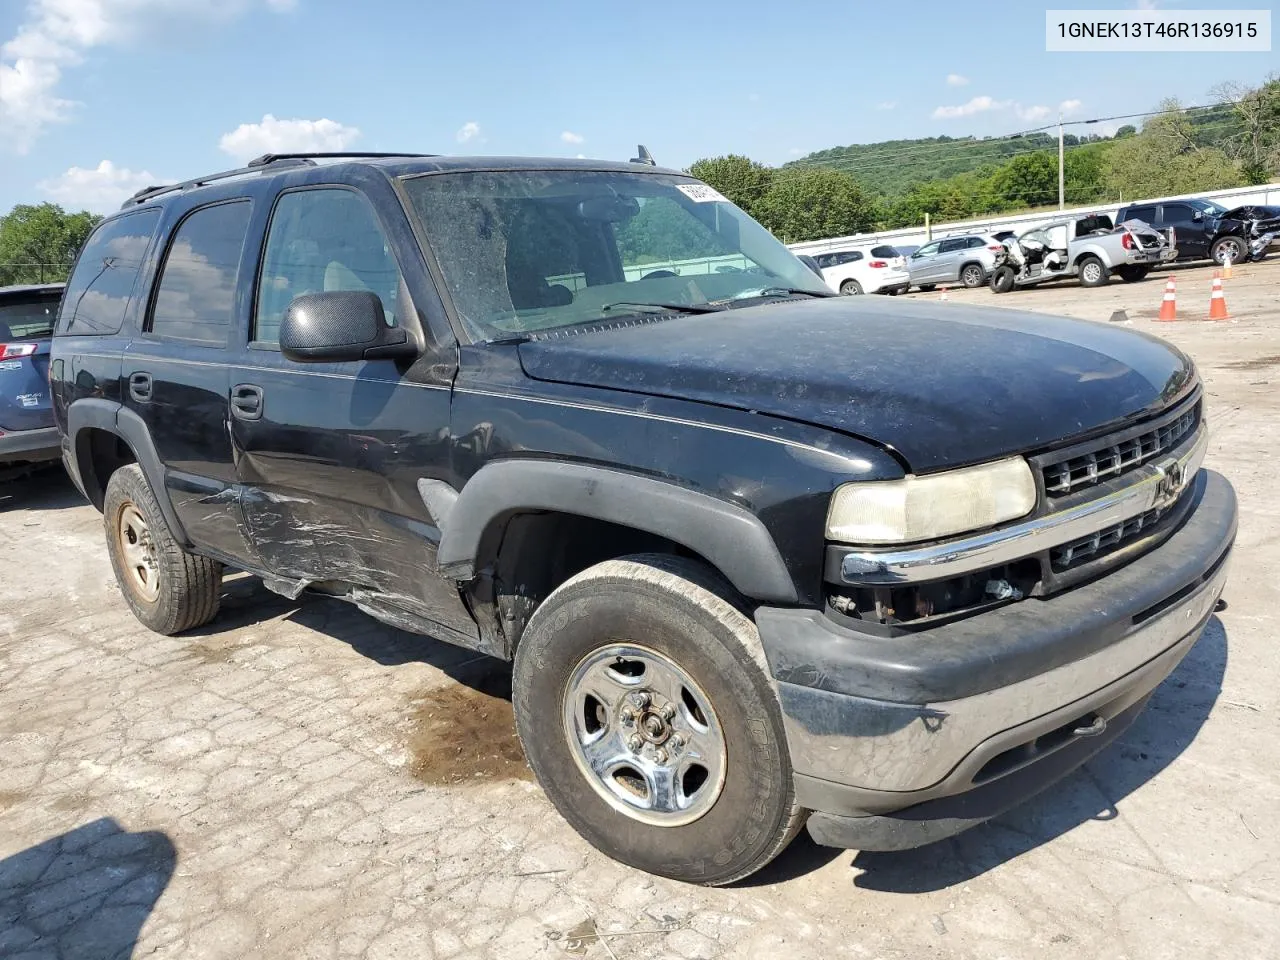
(98, 293)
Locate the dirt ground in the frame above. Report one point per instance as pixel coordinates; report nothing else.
(298, 781)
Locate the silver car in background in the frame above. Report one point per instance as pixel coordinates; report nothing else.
(963, 260)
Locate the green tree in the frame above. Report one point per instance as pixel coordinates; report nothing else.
(742, 180)
(39, 243)
(1028, 180)
(1255, 143)
(663, 231)
(1165, 158)
(814, 204)
(1128, 130)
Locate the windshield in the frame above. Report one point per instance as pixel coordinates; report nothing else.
(1208, 206)
(28, 320)
(530, 250)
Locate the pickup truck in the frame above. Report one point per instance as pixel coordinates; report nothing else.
(1091, 248)
(760, 555)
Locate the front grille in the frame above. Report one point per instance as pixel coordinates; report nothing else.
(1110, 459)
(1104, 541)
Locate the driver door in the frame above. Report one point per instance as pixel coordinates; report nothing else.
(923, 266)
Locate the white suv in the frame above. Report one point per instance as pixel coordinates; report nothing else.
(870, 269)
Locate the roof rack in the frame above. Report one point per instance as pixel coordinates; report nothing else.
(268, 161)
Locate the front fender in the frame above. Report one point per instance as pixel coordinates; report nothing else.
(728, 536)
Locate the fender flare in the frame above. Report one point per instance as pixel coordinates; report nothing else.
(728, 536)
(114, 418)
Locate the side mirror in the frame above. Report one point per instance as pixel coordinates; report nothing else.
(1198, 215)
(346, 325)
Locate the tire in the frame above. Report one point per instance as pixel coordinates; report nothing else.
(670, 623)
(1002, 280)
(168, 589)
(851, 288)
(1093, 272)
(1220, 247)
(972, 275)
(1133, 274)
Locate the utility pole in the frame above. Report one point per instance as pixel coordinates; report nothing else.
(1062, 199)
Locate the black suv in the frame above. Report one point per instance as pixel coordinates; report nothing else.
(759, 553)
(1206, 230)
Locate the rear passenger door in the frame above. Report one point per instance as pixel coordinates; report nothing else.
(1193, 238)
(330, 454)
(175, 373)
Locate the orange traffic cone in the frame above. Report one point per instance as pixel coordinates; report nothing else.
(944, 294)
(1169, 306)
(1217, 302)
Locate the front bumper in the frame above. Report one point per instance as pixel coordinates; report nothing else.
(30, 446)
(900, 741)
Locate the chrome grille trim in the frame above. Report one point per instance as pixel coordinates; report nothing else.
(1110, 458)
(1086, 548)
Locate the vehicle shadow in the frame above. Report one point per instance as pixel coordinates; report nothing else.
(85, 893)
(47, 488)
(1168, 725)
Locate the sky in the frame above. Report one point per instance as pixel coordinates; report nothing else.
(101, 97)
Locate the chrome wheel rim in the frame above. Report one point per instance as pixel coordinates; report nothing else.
(138, 554)
(972, 277)
(644, 735)
(1235, 249)
(1092, 272)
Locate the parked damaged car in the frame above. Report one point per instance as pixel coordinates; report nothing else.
(761, 555)
(1089, 247)
(1205, 229)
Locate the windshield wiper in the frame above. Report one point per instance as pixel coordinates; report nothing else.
(671, 307)
(782, 292)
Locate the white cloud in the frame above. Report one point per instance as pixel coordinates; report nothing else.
(976, 105)
(469, 131)
(886, 104)
(956, 80)
(1031, 114)
(100, 189)
(570, 137)
(58, 34)
(581, 156)
(287, 136)
(1068, 107)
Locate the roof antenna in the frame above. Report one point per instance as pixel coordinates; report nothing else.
(644, 157)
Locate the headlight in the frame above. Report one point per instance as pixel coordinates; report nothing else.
(926, 508)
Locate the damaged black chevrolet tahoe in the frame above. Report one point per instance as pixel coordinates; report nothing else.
(761, 555)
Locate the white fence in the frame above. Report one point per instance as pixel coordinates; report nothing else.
(1268, 194)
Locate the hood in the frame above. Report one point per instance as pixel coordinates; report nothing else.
(942, 384)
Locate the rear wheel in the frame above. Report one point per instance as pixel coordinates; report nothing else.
(1133, 274)
(644, 706)
(972, 275)
(1093, 272)
(851, 288)
(168, 589)
(1002, 279)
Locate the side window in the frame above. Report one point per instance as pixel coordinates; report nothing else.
(853, 256)
(321, 241)
(973, 243)
(1147, 214)
(1176, 213)
(98, 293)
(196, 296)
(950, 246)
(928, 250)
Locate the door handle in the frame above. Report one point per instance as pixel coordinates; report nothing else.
(140, 386)
(246, 401)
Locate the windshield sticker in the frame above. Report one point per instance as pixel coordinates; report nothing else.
(701, 193)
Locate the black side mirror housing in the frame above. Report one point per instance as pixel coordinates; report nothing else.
(341, 326)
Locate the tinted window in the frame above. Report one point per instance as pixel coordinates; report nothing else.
(851, 256)
(1147, 214)
(883, 251)
(323, 241)
(99, 290)
(196, 295)
(1177, 212)
(1087, 225)
(27, 317)
(950, 245)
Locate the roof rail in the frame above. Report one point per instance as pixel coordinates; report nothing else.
(263, 164)
(268, 158)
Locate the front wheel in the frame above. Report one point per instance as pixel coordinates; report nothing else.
(1093, 272)
(851, 288)
(1002, 279)
(1231, 248)
(643, 702)
(973, 276)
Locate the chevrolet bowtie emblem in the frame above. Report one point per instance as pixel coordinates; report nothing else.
(1173, 477)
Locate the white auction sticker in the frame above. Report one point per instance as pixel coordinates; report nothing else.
(701, 193)
(1157, 31)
